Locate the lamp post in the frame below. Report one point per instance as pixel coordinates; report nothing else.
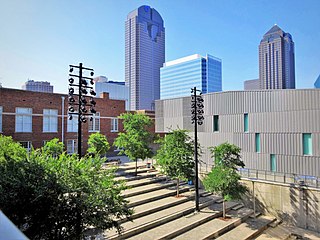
(197, 119)
(79, 99)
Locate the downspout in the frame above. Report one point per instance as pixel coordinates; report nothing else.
(62, 119)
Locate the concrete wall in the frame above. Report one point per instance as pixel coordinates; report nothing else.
(295, 204)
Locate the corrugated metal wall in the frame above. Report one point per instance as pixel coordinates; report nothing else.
(280, 116)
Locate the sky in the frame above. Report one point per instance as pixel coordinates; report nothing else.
(40, 39)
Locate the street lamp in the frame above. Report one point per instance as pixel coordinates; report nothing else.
(79, 99)
(197, 119)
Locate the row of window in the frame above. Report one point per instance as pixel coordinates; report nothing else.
(23, 121)
(306, 137)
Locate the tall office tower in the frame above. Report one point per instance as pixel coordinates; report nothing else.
(276, 60)
(37, 86)
(144, 56)
(317, 83)
(177, 77)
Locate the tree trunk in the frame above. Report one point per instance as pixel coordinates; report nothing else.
(178, 183)
(224, 208)
(136, 166)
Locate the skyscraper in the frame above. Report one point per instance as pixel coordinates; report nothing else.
(144, 56)
(317, 83)
(276, 60)
(177, 77)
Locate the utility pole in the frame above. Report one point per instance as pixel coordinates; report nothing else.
(79, 99)
(196, 118)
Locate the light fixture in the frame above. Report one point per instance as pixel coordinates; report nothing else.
(71, 80)
(91, 82)
(70, 117)
(92, 110)
(93, 102)
(84, 82)
(83, 100)
(71, 109)
(92, 92)
(71, 91)
(91, 74)
(71, 99)
(84, 91)
(71, 69)
(91, 119)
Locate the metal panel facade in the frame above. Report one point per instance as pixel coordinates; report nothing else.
(280, 116)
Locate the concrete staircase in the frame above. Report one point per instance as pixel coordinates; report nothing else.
(159, 214)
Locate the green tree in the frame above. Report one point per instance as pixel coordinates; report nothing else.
(134, 141)
(57, 198)
(98, 144)
(224, 178)
(175, 156)
(53, 148)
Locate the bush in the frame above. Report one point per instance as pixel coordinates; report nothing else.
(57, 197)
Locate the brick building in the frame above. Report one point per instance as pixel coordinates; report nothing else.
(34, 117)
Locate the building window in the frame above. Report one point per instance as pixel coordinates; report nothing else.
(73, 124)
(307, 143)
(273, 164)
(114, 125)
(216, 123)
(94, 125)
(257, 141)
(27, 145)
(0, 119)
(246, 122)
(50, 120)
(23, 120)
(72, 146)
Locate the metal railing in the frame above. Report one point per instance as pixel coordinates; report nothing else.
(279, 177)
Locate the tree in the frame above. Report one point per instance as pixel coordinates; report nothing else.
(224, 178)
(57, 197)
(175, 156)
(135, 140)
(98, 144)
(53, 148)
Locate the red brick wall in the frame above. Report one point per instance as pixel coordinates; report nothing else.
(12, 98)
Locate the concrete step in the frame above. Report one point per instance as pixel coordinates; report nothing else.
(148, 188)
(183, 224)
(132, 172)
(155, 195)
(164, 203)
(217, 226)
(150, 174)
(249, 229)
(155, 219)
(145, 181)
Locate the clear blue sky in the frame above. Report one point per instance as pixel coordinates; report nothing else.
(40, 38)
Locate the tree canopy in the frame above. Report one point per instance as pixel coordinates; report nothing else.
(175, 156)
(57, 197)
(135, 140)
(224, 178)
(98, 144)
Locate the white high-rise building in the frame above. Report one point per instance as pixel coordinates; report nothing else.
(276, 60)
(144, 56)
(37, 86)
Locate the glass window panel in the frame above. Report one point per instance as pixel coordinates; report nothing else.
(273, 164)
(246, 122)
(307, 143)
(257, 141)
(216, 123)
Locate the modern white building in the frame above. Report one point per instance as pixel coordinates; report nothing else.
(144, 56)
(177, 77)
(253, 84)
(117, 90)
(38, 86)
(276, 60)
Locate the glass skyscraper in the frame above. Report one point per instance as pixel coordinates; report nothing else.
(276, 60)
(177, 77)
(144, 56)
